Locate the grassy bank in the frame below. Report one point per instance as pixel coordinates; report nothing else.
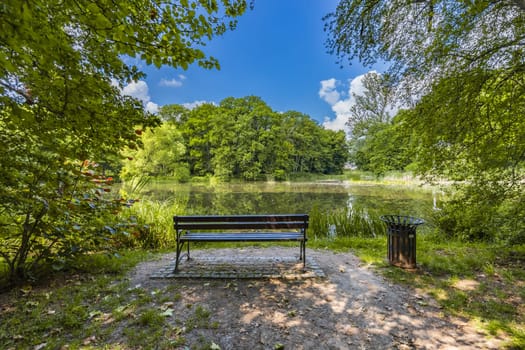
(392, 177)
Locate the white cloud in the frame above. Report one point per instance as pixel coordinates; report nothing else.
(356, 85)
(139, 90)
(152, 107)
(328, 91)
(194, 104)
(340, 102)
(173, 82)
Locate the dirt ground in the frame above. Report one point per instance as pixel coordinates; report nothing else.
(350, 308)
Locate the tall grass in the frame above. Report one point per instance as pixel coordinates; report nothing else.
(345, 222)
(154, 222)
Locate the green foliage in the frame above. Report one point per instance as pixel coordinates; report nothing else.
(62, 67)
(161, 154)
(241, 138)
(466, 84)
(468, 127)
(423, 41)
(52, 223)
(476, 140)
(149, 224)
(386, 147)
(490, 214)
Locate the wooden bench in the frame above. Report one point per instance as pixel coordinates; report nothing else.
(240, 228)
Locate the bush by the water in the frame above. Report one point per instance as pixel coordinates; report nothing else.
(488, 216)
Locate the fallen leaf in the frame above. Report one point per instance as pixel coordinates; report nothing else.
(167, 305)
(178, 331)
(26, 289)
(167, 313)
(32, 303)
(89, 340)
(214, 346)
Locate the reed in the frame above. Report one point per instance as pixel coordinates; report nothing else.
(345, 222)
(153, 221)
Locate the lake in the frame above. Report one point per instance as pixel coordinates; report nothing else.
(294, 197)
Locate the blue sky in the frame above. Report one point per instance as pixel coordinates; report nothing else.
(277, 53)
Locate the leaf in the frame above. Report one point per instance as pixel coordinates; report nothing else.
(167, 305)
(214, 346)
(95, 313)
(167, 313)
(89, 340)
(26, 289)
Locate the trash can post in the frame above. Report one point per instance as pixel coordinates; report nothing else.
(401, 234)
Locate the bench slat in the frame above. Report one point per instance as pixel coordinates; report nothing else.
(242, 236)
(239, 225)
(243, 218)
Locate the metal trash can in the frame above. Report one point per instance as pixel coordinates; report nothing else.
(401, 233)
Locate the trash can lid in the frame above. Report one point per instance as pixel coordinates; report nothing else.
(402, 220)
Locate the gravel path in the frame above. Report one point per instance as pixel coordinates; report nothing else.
(350, 308)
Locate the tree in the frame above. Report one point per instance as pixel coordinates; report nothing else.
(196, 131)
(62, 65)
(252, 124)
(162, 154)
(173, 113)
(462, 64)
(424, 40)
(244, 138)
(386, 147)
(375, 105)
(483, 149)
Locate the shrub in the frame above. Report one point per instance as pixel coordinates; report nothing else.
(474, 215)
(58, 220)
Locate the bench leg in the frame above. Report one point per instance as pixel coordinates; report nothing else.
(303, 253)
(177, 257)
(180, 247)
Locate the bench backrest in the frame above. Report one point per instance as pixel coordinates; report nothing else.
(241, 222)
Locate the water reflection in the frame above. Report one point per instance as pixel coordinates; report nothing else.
(264, 198)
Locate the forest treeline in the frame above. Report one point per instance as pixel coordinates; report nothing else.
(240, 138)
